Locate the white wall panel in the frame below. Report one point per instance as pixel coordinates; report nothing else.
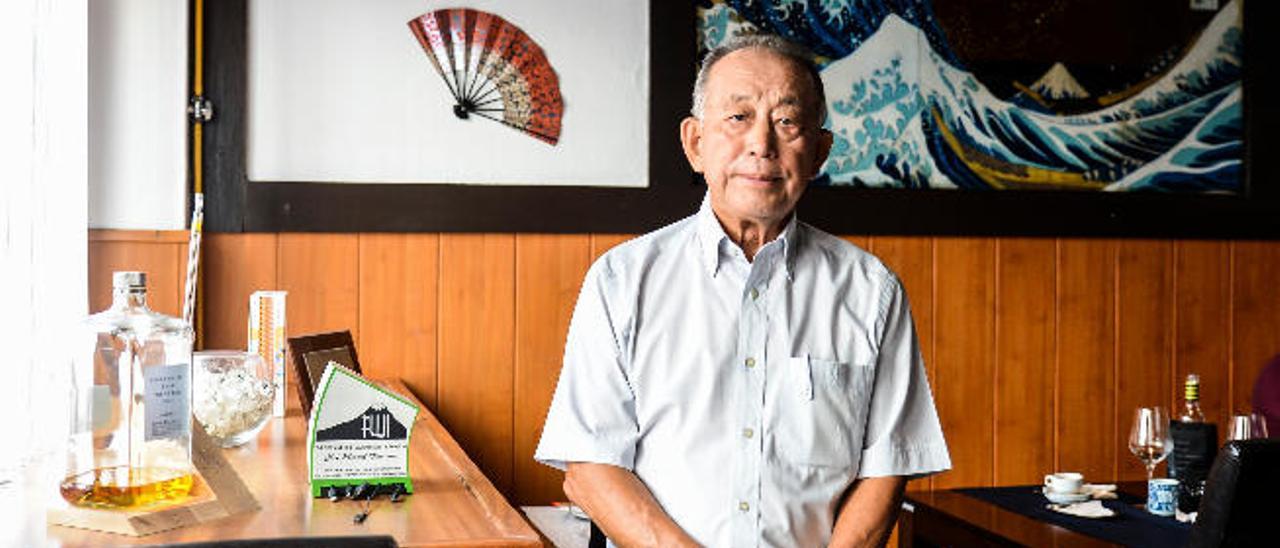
(137, 114)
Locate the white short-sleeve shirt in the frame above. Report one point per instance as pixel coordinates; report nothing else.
(747, 396)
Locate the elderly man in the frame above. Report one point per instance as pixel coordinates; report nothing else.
(740, 378)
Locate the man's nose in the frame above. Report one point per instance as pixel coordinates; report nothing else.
(761, 140)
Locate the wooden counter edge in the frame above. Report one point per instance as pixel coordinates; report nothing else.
(506, 518)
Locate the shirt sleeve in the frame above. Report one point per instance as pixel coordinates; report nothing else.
(592, 415)
(904, 437)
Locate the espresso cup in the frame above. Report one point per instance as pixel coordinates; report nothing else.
(1162, 496)
(1063, 482)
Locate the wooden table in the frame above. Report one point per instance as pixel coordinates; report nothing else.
(453, 504)
(950, 518)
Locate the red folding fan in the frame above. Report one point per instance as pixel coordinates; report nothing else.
(493, 69)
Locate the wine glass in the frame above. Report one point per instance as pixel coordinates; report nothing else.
(1248, 426)
(1149, 437)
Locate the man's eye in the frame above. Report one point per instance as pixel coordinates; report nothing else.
(737, 117)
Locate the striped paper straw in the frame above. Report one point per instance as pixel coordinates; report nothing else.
(193, 260)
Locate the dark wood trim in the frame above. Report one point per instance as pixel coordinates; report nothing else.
(233, 203)
(1261, 109)
(225, 84)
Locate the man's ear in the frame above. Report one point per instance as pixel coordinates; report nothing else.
(823, 149)
(691, 140)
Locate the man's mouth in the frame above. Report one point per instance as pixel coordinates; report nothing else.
(761, 178)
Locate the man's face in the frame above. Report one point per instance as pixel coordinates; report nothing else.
(759, 142)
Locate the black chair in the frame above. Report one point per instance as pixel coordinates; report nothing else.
(596, 538)
(1239, 504)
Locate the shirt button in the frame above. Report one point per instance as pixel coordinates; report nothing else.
(751, 362)
(754, 293)
(747, 433)
(744, 506)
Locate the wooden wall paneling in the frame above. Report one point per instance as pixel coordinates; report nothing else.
(161, 258)
(1086, 425)
(601, 243)
(1144, 327)
(399, 276)
(234, 266)
(549, 272)
(142, 236)
(911, 258)
(1256, 316)
(1132, 316)
(476, 349)
(1024, 368)
(321, 274)
(963, 346)
(1202, 336)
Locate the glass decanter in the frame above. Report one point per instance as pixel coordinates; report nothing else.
(130, 444)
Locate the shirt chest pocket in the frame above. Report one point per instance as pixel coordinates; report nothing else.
(821, 412)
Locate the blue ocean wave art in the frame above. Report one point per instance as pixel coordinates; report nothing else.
(906, 113)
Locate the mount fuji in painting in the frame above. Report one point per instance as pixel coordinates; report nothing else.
(1058, 83)
(906, 113)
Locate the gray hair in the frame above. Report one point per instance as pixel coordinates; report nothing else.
(795, 53)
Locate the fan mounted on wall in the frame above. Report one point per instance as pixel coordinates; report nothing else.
(493, 69)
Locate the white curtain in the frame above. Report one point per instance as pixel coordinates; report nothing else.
(43, 244)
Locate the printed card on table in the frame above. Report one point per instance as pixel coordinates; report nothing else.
(359, 433)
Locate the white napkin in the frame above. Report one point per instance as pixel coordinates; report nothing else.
(1100, 490)
(1090, 509)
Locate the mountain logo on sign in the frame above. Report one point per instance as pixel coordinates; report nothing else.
(375, 423)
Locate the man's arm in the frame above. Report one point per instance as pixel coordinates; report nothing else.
(622, 506)
(869, 510)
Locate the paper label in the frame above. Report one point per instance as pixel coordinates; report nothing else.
(167, 396)
(364, 459)
(267, 337)
(100, 407)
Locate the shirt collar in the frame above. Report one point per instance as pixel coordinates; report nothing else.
(711, 235)
(790, 237)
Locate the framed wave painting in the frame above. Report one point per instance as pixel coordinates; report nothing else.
(1083, 96)
(1058, 118)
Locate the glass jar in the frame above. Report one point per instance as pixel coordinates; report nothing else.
(130, 444)
(234, 393)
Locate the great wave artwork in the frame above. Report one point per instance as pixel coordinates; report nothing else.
(906, 112)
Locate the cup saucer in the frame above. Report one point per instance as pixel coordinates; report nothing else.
(1066, 498)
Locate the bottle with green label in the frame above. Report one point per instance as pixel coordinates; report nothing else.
(130, 441)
